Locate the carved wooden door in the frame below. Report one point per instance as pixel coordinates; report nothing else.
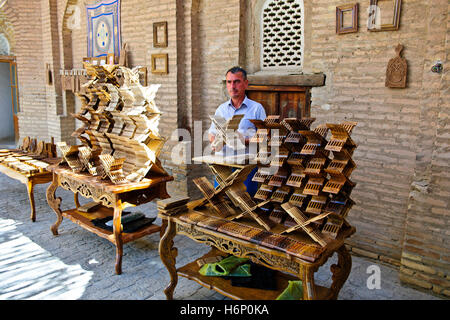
(287, 101)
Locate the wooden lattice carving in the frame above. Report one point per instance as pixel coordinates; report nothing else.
(397, 70)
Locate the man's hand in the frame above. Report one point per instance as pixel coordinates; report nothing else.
(214, 146)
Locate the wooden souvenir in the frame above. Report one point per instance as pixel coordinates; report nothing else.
(225, 132)
(172, 206)
(123, 124)
(397, 70)
(341, 27)
(249, 207)
(70, 155)
(297, 178)
(123, 58)
(303, 223)
(215, 198)
(89, 207)
(314, 141)
(316, 204)
(113, 168)
(339, 206)
(299, 199)
(231, 187)
(315, 166)
(375, 14)
(280, 158)
(341, 164)
(297, 160)
(264, 192)
(279, 177)
(160, 63)
(340, 137)
(309, 172)
(261, 176)
(338, 184)
(160, 34)
(314, 185)
(281, 194)
(332, 227)
(296, 124)
(277, 215)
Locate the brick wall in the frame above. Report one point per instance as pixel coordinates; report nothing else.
(426, 252)
(402, 196)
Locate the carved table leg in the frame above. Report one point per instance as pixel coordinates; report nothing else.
(309, 287)
(54, 203)
(30, 188)
(168, 256)
(75, 199)
(340, 271)
(163, 228)
(117, 230)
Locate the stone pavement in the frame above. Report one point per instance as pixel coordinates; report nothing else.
(79, 265)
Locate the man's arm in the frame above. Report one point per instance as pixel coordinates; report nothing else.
(211, 138)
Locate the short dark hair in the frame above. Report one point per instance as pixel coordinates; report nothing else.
(235, 70)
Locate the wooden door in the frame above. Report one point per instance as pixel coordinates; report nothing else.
(14, 96)
(287, 101)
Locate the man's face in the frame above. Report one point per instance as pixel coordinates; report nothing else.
(236, 85)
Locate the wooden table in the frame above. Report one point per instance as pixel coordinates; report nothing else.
(294, 256)
(30, 180)
(114, 198)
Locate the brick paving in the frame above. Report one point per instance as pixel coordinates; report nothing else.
(78, 265)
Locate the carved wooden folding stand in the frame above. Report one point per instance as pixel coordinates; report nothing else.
(295, 221)
(117, 164)
(29, 164)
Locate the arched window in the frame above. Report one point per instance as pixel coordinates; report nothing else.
(4, 45)
(282, 34)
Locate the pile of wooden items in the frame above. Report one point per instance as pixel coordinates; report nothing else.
(172, 206)
(226, 132)
(119, 133)
(30, 157)
(304, 179)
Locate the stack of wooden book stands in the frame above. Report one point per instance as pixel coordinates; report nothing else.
(304, 179)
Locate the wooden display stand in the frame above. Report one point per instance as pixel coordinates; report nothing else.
(29, 165)
(117, 164)
(294, 254)
(113, 199)
(293, 224)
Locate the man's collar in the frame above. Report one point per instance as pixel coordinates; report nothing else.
(244, 103)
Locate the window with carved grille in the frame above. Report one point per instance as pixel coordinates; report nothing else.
(282, 34)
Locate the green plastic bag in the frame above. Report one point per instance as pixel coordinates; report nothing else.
(230, 266)
(294, 291)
